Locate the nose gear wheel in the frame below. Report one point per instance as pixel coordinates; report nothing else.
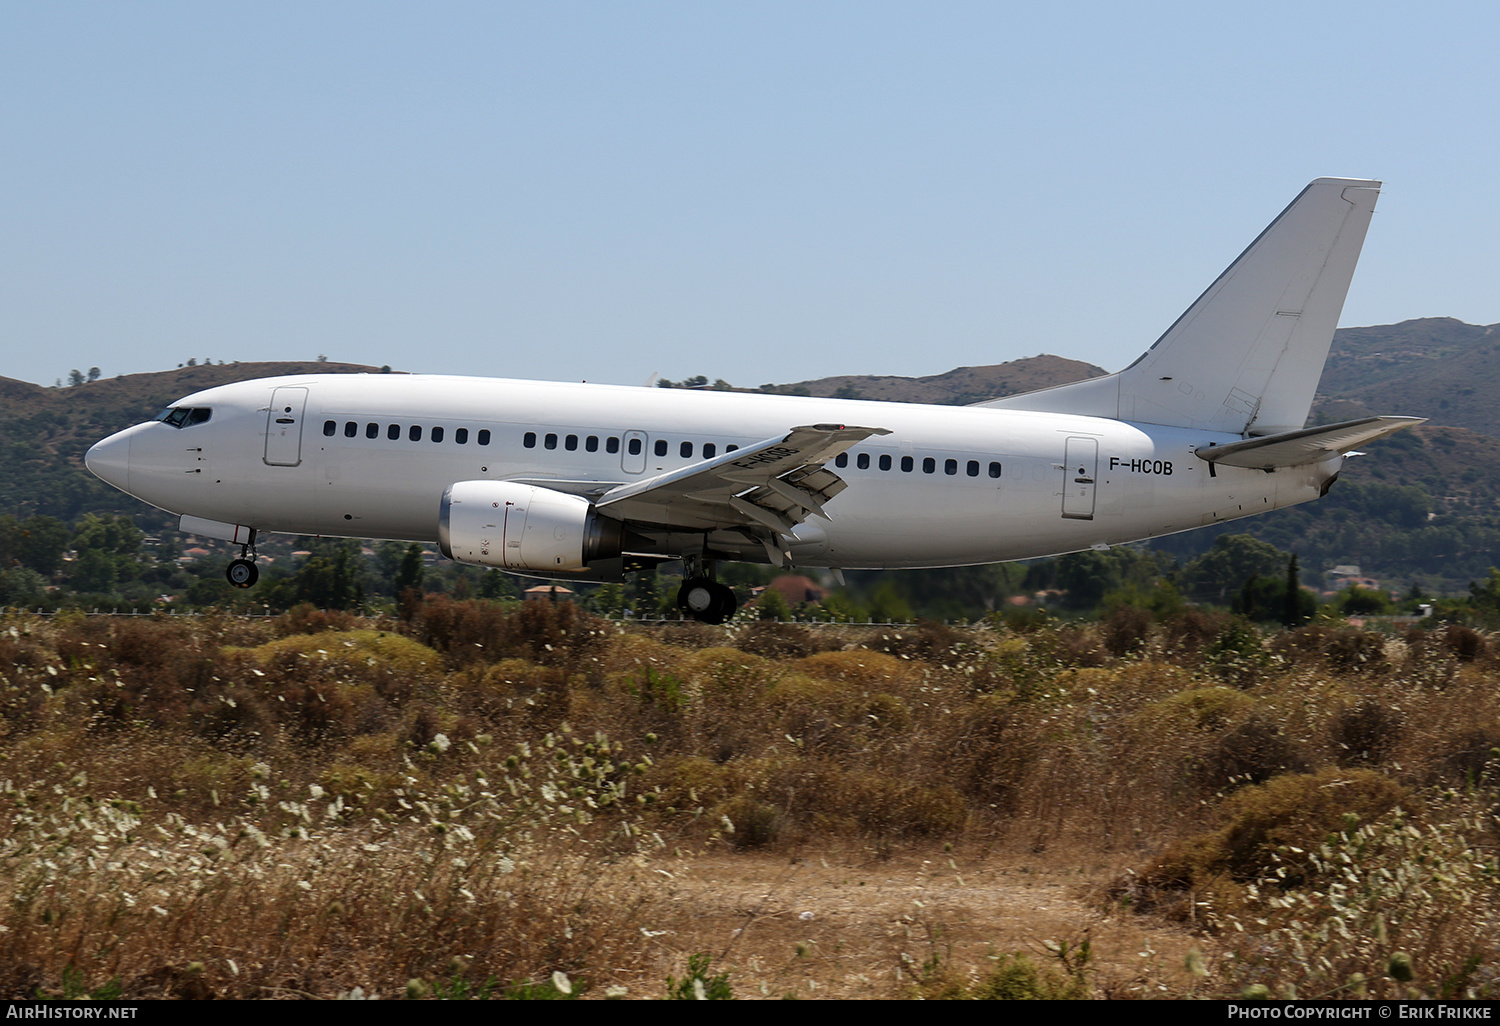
(242, 573)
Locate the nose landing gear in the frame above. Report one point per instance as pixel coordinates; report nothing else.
(242, 572)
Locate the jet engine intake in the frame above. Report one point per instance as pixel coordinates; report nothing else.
(523, 527)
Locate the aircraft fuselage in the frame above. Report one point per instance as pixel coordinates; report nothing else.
(369, 456)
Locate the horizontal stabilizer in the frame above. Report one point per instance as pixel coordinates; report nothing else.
(1309, 445)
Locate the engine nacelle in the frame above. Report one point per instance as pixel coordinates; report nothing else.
(522, 527)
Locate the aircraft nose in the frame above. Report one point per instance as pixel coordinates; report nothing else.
(109, 460)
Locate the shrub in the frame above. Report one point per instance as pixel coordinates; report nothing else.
(1238, 655)
(1365, 734)
(1187, 633)
(1126, 630)
(1015, 977)
(860, 669)
(1268, 828)
(1388, 909)
(1466, 644)
(773, 640)
(1341, 649)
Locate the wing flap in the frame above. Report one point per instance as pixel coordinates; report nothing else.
(773, 485)
(1309, 445)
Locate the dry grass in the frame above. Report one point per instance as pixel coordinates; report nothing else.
(476, 799)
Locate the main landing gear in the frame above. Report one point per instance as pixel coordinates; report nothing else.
(702, 597)
(242, 572)
(705, 600)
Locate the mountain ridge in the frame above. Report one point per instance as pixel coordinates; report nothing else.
(1424, 506)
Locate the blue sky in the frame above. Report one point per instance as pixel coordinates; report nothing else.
(763, 192)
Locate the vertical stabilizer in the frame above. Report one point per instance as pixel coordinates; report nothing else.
(1246, 357)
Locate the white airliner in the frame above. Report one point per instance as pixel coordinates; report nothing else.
(591, 482)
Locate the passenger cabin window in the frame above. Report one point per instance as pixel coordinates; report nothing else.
(686, 450)
(863, 461)
(841, 460)
(437, 434)
(950, 467)
(612, 444)
(484, 436)
(189, 416)
(529, 440)
(973, 468)
(929, 465)
(350, 429)
(330, 428)
(885, 461)
(710, 450)
(906, 464)
(393, 432)
(635, 447)
(571, 443)
(415, 433)
(591, 443)
(372, 430)
(461, 436)
(661, 447)
(549, 442)
(994, 470)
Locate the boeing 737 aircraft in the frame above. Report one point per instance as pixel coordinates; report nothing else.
(592, 482)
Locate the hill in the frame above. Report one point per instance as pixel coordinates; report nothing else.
(1433, 367)
(957, 387)
(44, 432)
(1422, 508)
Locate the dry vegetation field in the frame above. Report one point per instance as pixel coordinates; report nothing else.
(490, 802)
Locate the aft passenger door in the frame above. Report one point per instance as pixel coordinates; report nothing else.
(1080, 472)
(284, 426)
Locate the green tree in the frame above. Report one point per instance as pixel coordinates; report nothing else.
(1357, 601)
(951, 593)
(1088, 577)
(497, 584)
(331, 579)
(93, 571)
(409, 574)
(1085, 578)
(37, 543)
(1291, 608)
(644, 594)
(22, 587)
(608, 599)
(1485, 596)
(772, 606)
(1223, 570)
(886, 604)
(1269, 599)
(840, 608)
(108, 553)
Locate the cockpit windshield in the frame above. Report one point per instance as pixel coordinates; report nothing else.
(185, 416)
